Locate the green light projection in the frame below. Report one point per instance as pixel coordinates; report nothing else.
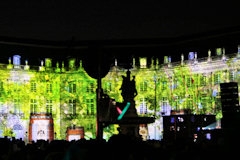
(192, 84)
(69, 94)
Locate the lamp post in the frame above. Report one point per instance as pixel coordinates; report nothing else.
(26, 141)
(99, 88)
(97, 68)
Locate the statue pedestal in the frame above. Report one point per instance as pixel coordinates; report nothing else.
(130, 129)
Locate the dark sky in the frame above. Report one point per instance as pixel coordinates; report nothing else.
(83, 20)
(100, 20)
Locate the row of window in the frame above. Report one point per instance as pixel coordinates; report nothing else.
(49, 106)
(72, 105)
(143, 108)
(205, 101)
(189, 81)
(91, 109)
(72, 87)
(143, 86)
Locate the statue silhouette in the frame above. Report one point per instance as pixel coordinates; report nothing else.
(128, 88)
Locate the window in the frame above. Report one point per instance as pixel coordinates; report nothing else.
(90, 106)
(49, 88)
(217, 103)
(89, 126)
(143, 106)
(90, 88)
(175, 83)
(143, 86)
(16, 106)
(164, 85)
(176, 101)
(231, 75)
(189, 102)
(1, 86)
(33, 106)
(164, 104)
(72, 87)
(109, 87)
(33, 87)
(1, 107)
(49, 106)
(189, 81)
(203, 81)
(204, 100)
(217, 79)
(72, 106)
(195, 80)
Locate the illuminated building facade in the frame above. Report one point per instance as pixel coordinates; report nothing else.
(192, 84)
(68, 93)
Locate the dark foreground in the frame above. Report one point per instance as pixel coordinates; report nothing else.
(118, 147)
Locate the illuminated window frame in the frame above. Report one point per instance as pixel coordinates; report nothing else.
(49, 88)
(164, 85)
(49, 106)
(72, 106)
(1, 85)
(33, 87)
(1, 107)
(217, 78)
(90, 87)
(143, 106)
(33, 106)
(143, 86)
(16, 106)
(90, 106)
(164, 104)
(72, 87)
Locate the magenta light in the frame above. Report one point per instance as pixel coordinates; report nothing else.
(119, 110)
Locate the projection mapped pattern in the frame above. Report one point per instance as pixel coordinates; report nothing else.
(69, 94)
(123, 111)
(40, 130)
(192, 84)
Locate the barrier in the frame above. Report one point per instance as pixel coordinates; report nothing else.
(75, 133)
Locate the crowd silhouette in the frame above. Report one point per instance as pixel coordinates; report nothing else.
(117, 147)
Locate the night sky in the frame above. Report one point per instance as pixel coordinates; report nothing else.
(66, 20)
(99, 20)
